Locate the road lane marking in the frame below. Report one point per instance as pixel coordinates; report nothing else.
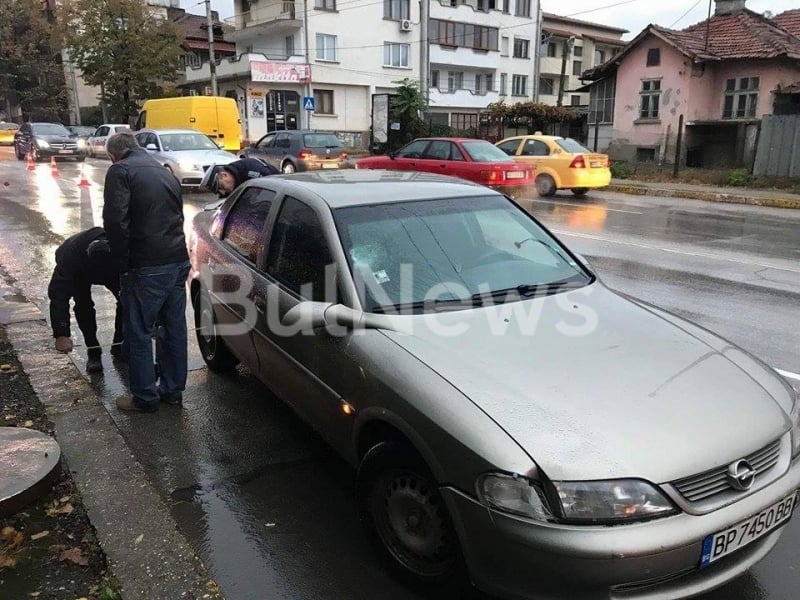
(631, 212)
(675, 251)
(788, 374)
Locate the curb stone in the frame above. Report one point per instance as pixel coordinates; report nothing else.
(708, 196)
(145, 550)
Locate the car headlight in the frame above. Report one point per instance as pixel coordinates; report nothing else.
(187, 165)
(81, 144)
(42, 143)
(611, 501)
(795, 417)
(513, 494)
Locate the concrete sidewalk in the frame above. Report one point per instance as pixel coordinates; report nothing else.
(710, 193)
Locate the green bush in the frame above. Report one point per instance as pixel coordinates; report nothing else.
(739, 177)
(621, 170)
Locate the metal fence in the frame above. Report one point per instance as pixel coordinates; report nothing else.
(778, 152)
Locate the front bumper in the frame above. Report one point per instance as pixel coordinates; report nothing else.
(521, 559)
(60, 153)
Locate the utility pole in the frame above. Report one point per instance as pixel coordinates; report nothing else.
(212, 61)
(308, 59)
(537, 52)
(566, 50)
(424, 49)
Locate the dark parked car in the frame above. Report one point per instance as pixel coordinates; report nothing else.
(44, 140)
(291, 151)
(511, 418)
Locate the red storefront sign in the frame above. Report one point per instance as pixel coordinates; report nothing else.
(280, 71)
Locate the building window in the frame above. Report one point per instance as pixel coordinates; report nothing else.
(599, 57)
(654, 57)
(521, 48)
(463, 121)
(552, 49)
(577, 67)
(435, 79)
(395, 55)
(465, 35)
(289, 45)
(523, 8)
(323, 102)
(547, 86)
(650, 98)
(326, 47)
(645, 154)
(503, 83)
(396, 10)
(741, 98)
(504, 46)
(601, 102)
(506, 6)
(577, 51)
(325, 4)
(455, 80)
(575, 100)
(519, 85)
(489, 82)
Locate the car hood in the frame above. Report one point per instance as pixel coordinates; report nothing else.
(200, 157)
(55, 139)
(595, 386)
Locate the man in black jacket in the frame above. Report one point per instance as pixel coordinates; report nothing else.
(83, 260)
(143, 217)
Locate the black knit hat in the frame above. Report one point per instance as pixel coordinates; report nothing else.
(248, 168)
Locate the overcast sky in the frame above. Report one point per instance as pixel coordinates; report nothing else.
(633, 15)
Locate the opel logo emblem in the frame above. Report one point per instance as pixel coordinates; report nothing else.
(741, 475)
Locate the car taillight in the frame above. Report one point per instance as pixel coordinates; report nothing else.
(303, 154)
(578, 162)
(490, 176)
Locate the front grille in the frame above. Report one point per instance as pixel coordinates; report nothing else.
(715, 481)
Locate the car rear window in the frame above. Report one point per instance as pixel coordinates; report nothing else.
(483, 151)
(571, 146)
(321, 140)
(121, 128)
(9, 126)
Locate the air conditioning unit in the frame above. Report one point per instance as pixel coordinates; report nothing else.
(405, 25)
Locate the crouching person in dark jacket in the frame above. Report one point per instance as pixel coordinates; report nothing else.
(223, 179)
(83, 260)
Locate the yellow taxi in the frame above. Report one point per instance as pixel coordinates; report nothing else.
(561, 163)
(7, 131)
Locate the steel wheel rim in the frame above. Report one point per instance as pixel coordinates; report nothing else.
(208, 330)
(411, 521)
(288, 168)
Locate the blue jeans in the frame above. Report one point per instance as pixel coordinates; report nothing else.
(153, 295)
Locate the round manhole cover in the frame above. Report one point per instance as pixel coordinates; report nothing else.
(29, 462)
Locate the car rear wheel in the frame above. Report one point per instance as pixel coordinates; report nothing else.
(407, 520)
(545, 185)
(212, 347)
(580, 191)
(288, 168)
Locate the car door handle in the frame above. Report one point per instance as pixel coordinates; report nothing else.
(442, 166)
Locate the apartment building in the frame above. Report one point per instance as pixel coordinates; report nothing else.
(572, 46)
(480, 51)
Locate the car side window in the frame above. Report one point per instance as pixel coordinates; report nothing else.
(244, 226)
(509, 147)
(535, 148)
(455, 152)
(414, 149)
(266, 141)
(102, 131)
(282, 140)
(141, 139)
(438, 150)
(298, 252)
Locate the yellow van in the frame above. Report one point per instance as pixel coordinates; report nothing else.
(215, 116)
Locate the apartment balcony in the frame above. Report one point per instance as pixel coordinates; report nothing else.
(264, 20)
(461, 99)
(552, 66)
(465, 57)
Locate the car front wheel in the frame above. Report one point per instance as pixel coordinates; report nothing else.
(407, 520)
(288, 168)
(212, 347)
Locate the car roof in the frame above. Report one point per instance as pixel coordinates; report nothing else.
(170, 131)
(449, 139)
(538, 136)
(359, 187)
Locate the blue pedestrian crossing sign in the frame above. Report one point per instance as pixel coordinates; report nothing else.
(308, 103)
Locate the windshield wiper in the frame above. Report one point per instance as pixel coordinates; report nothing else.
(435, 304)
(526, 290)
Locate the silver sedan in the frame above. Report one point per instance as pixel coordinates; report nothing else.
(515, 424)
(184, 152)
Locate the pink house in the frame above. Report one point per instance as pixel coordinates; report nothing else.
(721, 75)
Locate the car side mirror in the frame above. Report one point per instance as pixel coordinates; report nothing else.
(308, 316)
(151, 147)
(221, 145)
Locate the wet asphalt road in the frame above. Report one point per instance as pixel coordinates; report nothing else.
(269, 507)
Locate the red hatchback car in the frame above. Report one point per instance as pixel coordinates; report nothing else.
(475, 160)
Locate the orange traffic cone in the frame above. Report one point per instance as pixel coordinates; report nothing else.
(83, 182)
(31, 166)
(54, 167)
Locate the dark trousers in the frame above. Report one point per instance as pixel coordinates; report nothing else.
(64, 288)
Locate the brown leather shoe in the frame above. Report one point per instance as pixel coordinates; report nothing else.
(129, 404)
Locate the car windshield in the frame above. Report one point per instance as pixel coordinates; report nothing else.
(49, 129)
(571, 146)
(483, 151)
(321, 140)
(9, 126)
(120, 128)
(172, 142)
(454, 251)
(80, 130)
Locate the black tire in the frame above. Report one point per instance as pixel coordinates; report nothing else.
(407, 521)
(20, 155)
(288, 167)
(580, 191)
(215, 352)
(545, 185)
(80, 158)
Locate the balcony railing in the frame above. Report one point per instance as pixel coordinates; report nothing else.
(263, 14)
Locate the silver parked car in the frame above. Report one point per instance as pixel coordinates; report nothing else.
(513, 422)
(96, 142)
(186, 153)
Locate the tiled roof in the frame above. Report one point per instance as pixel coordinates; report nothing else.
(196, 27)
(553, 17)
(789, 20)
